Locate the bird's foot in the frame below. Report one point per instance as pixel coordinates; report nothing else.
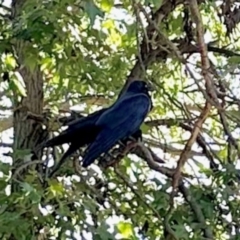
(133, 139)
(108, 160)
(129, 148)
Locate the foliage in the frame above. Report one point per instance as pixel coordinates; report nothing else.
(86, 51)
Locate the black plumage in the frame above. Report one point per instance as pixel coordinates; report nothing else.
(120, 121)
(79, 133)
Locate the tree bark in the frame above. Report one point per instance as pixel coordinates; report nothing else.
(27, 132)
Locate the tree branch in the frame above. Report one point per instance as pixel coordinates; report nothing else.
(197, 211)
(208, 81)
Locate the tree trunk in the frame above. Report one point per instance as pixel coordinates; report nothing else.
(27, 132)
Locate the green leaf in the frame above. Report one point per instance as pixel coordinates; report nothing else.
(181, 231)
(4, 167)
(234, 114)
(10, 62)
(93, 11)
(145, 128)
(156, 3)
(31, 61)
(47, 63)
(103, 232)
(27, 187)
(22, 153)
(234, 59)
(125, 229)
(107, 5)
(56, 188)
(19, 84)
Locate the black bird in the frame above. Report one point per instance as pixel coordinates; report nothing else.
(120, 121)
(79, 133)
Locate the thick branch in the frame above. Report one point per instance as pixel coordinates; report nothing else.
(149, 55)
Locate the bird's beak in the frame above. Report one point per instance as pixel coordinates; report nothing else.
(151, 87)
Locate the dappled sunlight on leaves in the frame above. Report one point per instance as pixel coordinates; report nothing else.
(78, 55)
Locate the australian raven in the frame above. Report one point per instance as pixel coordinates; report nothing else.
(120, 121)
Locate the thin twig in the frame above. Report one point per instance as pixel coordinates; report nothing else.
(130, 185)
(197, 211)
(23, 166)
(5, 8)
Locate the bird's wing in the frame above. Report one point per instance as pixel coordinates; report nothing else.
(118, 122)
(86, 121)
(138, 104)
(77, 131)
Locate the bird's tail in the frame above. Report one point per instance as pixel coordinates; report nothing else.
(62, 138)
(72, 148)
(103, 143)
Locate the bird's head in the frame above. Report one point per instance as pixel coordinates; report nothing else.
(139, 86)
